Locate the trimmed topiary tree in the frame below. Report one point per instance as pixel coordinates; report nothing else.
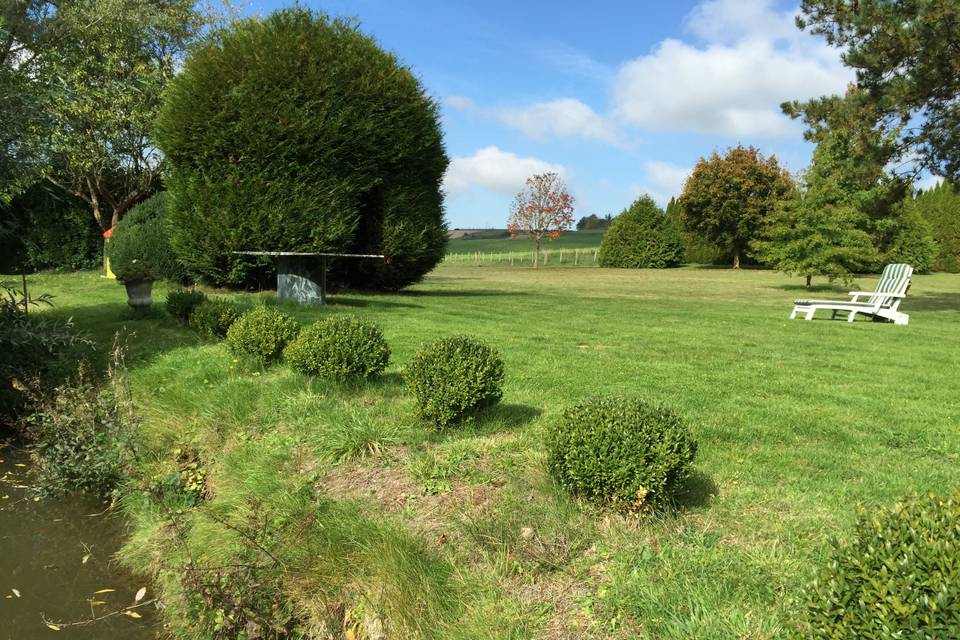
(641, 237)
(139, 248)
(340, 348)
(453, 377)
(299, 133)
(262, 333)
(181, 304)
(896, 576)
(620, 452)
(213, 317)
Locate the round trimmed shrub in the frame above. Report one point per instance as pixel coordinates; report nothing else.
(214, 317)
(453, 377)
(297, 132)
(339, 347)
(641, 237)
(262, 333)
(896, 576)
(621, 452)
(139, 248)
(182, 302)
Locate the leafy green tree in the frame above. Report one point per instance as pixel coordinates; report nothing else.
(96, 69)
(641, 237)
(696, 250)
(940, 207)
(593, 221)
(908, 70)
(822, 230)
(727, 199)
(22, 26)
(298, 132)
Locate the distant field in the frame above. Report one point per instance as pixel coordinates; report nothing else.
(569, 240)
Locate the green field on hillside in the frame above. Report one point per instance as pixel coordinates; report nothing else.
(464, 534)
(569, 240)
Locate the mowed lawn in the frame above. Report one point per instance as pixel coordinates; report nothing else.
(798, 424)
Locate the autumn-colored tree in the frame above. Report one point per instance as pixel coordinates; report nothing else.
(542, 210)
(727, 199)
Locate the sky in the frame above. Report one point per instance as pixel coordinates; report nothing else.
(621, 98)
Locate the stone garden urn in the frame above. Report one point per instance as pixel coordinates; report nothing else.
(139, 293)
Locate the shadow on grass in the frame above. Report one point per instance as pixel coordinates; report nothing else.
(831, 289)
(147, 333)
(697, 491)
(932, 302)
(454, 293)
(490, 420)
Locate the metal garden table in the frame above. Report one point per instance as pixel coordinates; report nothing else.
(298, 277)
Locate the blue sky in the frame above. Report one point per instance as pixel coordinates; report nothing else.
(621, 98)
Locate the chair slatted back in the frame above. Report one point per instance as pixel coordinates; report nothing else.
(895, 279)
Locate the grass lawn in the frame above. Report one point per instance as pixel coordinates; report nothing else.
(798, 424)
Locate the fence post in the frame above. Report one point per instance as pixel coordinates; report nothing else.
(594, 255)
(576, 257)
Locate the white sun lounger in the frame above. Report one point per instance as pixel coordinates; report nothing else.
(882, 302)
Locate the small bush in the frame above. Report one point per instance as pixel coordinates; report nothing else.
(452, 377)
(182, 302)
(262, 333)
(620, 452)
(212, 318)
(139, 248)
(339, 347)
(81, 438)
(897, 576)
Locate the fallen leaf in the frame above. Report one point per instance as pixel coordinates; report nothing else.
(15, 592)
(133, 614)
(8, 597)
(20, 464)
(85, 558)
(104, 591)
(142, 592)
(97, 602)
(53, 626)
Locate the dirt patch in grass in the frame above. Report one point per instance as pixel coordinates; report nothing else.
(393, 490)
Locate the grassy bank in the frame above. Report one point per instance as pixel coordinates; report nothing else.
(462, 534)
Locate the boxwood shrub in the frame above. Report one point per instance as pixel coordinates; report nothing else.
(452, 377)
(262, 333)
(621, 452)
(213, 317)
(896, 576)
(182, 302)
(339, 347)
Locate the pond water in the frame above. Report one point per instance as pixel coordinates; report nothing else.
(55, 555)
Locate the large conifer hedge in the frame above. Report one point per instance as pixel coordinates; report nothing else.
(299, 133)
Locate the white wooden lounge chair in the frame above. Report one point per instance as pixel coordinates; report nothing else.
(882, 302)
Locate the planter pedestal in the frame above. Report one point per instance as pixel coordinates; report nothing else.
(139, 293)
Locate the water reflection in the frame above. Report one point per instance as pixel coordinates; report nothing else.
(56, 554)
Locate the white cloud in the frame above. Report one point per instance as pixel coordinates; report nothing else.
(665, 177)
(664, 181)
(753, 59)
(494, 169)
(563, 118)
(459, 102)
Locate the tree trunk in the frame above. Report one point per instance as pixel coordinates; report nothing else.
(736, 257)
(536, 252)
(809, 278)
